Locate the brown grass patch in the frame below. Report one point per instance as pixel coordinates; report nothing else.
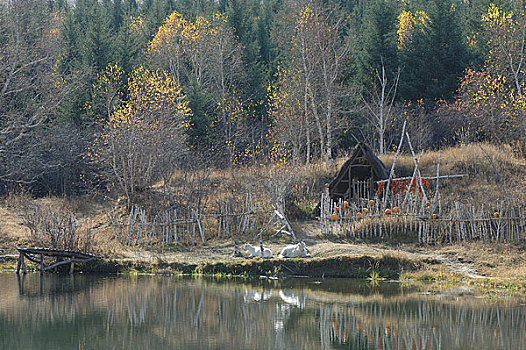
(494, 172)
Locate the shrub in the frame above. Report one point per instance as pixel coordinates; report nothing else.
(56, 229)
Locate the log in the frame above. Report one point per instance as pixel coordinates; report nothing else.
(75, 260)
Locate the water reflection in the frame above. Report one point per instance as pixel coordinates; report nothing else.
(168, 312)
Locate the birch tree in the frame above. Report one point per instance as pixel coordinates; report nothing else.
(318, 53)
(288, 115)
(379, 103)
(205, 51)
(493, 97)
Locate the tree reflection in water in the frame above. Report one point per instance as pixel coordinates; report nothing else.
(173, 312)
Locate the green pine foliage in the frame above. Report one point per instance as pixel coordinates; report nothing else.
(436, 58)
(377, 42)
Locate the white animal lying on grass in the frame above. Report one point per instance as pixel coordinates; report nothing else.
(255, 252)
(296, 250)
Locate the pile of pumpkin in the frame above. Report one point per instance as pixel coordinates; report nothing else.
(395, 210)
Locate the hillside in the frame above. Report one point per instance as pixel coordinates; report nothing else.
(494, 173)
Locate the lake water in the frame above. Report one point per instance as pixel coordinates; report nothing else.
(157, 312)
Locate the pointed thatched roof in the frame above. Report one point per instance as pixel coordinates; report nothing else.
(362, 165)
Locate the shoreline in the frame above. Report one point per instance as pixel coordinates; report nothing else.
(427, 272)
(331, 267)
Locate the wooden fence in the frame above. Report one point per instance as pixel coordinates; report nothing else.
(234, 216)
(408, 217)
(227, 218)
(166, 227)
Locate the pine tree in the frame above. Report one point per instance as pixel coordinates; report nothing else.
(130, 43)
(117, 14)
(129, 8)
(434, 60)
(97, 48)
(377, 46)
(199, 134)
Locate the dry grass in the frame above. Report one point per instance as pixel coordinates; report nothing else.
(299, 185)
(90, 214)
(488, 259)
(494, 172)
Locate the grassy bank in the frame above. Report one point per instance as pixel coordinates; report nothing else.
(362, 267)
(438, 277)
(427, 273)
(338, 266)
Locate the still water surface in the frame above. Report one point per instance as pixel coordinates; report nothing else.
(155, 312)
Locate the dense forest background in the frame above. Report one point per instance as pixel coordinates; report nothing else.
(121, 93)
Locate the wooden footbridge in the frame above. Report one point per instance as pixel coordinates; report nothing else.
(62, 257)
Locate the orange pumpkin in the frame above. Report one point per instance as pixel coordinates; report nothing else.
(496, 215)
(435, 216)
(365, 210)
(387, 212)
(326, 185)
(349, 215)
(371, 202)
(337, 208)
(334, 217)
(345, 204)
(395, 210)
(428, 204)
(359, 215)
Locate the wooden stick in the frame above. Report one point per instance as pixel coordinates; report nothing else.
(201, 233)
(418, 170)
(24, 270)
(391, 172)
(435, 197)
(72, 265)
(412, 178)
(427, 177)
(76, 260)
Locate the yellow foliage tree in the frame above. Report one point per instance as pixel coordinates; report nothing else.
(507, 33)
(141, 140)
(167, 45)
(494, 96)
(205, 52)
(408, 23)
(208, 47)
(287, 112)
(108, 89)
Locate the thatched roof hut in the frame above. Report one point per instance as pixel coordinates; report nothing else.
(358, 175)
